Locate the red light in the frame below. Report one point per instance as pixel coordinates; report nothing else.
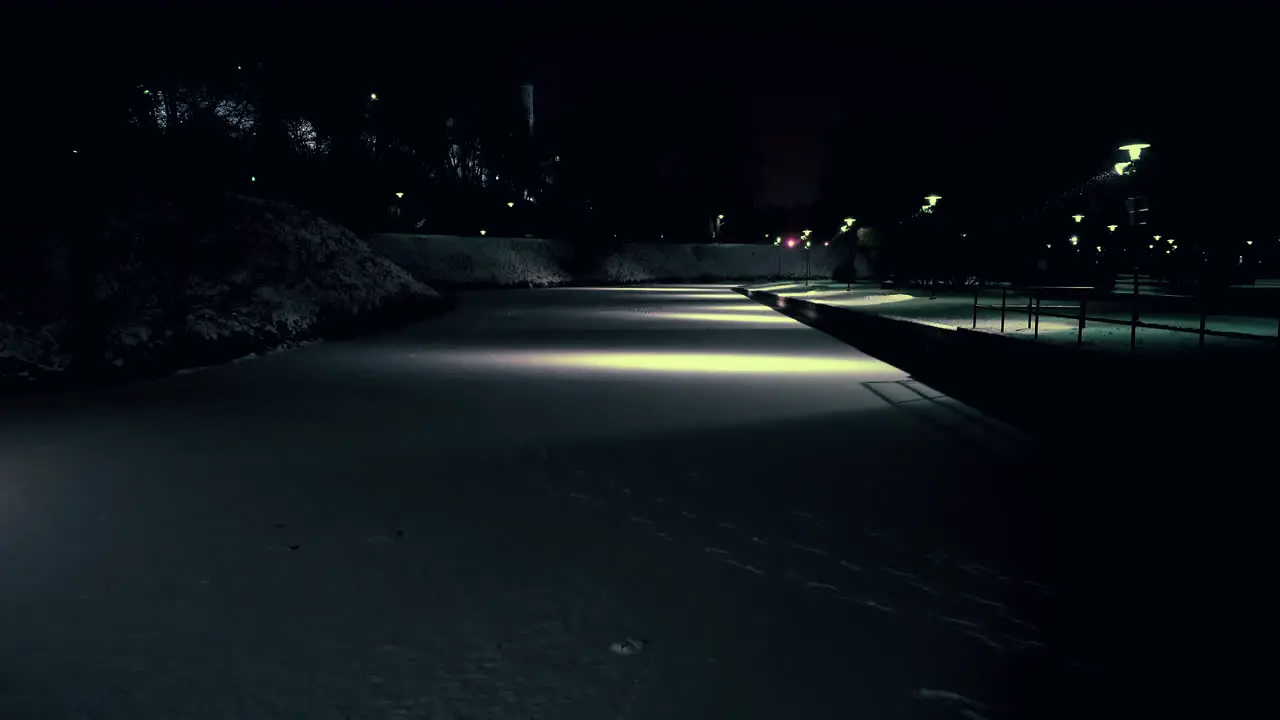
(791, 242)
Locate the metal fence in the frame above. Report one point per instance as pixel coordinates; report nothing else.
(1080, 295)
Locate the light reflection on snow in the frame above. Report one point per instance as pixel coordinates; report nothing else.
(672, 362)
(729, 318)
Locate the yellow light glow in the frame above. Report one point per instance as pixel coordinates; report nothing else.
(1170, 241)
(1157, 237)
(1248, 242)
(1151, 247)
(484, 232)
(1077, 217)
(720, 291)
(511, 204)
(373, 96)
(1135, 149)
(399, 194)
(1074, 239)
(933, 199)
(699, 363)
(1112, 228)
(843, 300)
(720, 217)
(849, 221)
(1099, 248)
(1121, 167)
(740, 307)
(770, 319)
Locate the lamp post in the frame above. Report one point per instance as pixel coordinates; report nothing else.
(844, 229)
(778, 243)
(807, 244)
(717, 223)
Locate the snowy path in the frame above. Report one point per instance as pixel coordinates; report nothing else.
(457, 520)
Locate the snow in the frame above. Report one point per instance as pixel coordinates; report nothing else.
(266, 276)
(388, 528)
(522, 262)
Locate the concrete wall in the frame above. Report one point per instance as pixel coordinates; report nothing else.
(487, 261)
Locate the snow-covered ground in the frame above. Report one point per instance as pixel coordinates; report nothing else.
(266, 276)
(567, 503)
(522, 262)
(950, 310)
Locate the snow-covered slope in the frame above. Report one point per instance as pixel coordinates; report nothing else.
(170, 292)
(481, 261)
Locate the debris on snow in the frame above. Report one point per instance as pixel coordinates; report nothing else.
(628, 646)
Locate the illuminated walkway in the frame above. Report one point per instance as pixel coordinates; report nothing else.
(460, 519)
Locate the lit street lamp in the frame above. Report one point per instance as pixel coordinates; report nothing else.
(1135, 149)
(717, 223)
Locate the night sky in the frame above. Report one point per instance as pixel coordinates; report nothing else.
(856, 112)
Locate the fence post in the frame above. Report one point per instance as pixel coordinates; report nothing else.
(1037, 332)
(1004, 296)
(1133, 323)
(1084, 304)
(1029, 311)
(975, 308)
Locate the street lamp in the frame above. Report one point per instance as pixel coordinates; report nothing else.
(511, 204)
(1112, 228)
(717, 223)
(1077, 217)
(1135, 149)
(933, 199)
(1121, 167)
(399, 195)
(373, 96)
(483, 232)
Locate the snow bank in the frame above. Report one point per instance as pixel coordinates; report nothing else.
(484, 261)
(172, 292)
(478, 261)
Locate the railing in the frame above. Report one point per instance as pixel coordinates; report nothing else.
(1035, 309)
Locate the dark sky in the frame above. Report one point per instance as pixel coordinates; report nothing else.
(945, 101)
(895, 101)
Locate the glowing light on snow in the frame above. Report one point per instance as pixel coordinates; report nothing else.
(709, 290)
(770, 319)
(686, 363)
